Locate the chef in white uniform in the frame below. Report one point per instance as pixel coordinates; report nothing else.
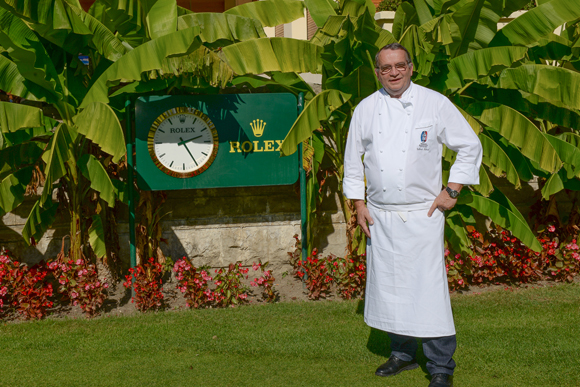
(395, 140)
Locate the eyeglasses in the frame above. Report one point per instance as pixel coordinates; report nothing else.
(387, 69)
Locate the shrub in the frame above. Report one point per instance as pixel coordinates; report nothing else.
(265, 281)
(349, 274)
(314, 272)
(193, 283)
(146, 281)
(24, 288)
(229, 289)
(79, 282)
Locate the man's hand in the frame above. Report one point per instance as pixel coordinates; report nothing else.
(443, 201)
(363, 216)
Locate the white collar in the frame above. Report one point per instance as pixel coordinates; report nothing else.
(407, 97)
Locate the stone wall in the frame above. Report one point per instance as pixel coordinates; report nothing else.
(212, 227)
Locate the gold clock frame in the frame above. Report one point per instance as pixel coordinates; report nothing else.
(173, 112)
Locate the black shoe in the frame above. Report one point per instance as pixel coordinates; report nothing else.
(441, 380)
(395, 366)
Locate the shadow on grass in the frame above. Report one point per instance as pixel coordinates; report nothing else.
(379, 344)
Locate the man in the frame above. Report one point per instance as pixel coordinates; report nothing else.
(395, 140)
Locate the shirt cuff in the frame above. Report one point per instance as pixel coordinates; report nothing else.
(353, 188)
(466, 174)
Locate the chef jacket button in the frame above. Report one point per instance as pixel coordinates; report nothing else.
(406, 131)
(382, 170)
(380, 132)
(381, 151)
(400, 169)
(403, 151)
(400, 189)
(384, 189)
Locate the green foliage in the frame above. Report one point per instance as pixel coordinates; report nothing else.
(391, 5)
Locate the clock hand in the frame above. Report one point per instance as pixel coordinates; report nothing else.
(182, 142)
(186, 148)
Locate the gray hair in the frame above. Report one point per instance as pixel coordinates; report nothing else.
(392, 46)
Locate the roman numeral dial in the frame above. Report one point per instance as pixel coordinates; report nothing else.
(183, 142)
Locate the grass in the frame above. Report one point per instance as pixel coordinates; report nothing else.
(526, 337)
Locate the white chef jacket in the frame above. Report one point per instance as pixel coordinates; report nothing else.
(401, 141)
(397, 144)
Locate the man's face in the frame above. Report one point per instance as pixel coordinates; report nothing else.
(398, 79)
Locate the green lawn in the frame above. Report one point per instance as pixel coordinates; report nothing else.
(528, 337)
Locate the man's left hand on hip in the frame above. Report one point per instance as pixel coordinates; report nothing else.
(443, 201)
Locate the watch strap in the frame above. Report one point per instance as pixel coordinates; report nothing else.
(454, 194)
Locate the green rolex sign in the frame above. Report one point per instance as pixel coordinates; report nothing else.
(212, 141)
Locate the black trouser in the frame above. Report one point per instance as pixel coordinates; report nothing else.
(439, 351)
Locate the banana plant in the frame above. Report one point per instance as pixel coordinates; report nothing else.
(516, 87)
(72, 154)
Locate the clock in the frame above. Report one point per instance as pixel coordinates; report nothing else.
(183, 142)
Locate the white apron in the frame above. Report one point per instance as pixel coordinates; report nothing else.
(407, 291)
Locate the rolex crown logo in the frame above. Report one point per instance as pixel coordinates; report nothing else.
(258, 127)
(182, 119)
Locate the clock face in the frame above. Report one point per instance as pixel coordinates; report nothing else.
(183, 142)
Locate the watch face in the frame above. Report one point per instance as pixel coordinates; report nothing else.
(183, 142)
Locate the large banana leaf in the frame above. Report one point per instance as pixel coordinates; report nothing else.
(160, 17)
(479, 63)
(423, 12)
(99, 123)
(65, 24)
(57, 156)
(18, 156)
(553, 185)
(405, 16)
(475, 24)
(146, 57)
(512, 6)
(537, 23)
(330, 31)
(498, 161)
(273, 54)
(485, 186)
(415, 41)
(93, 170)
(97, 236)
(551, 83)
(222, 26)
(455, 233)
(123, 17)
(569, 154)
(17, 116)
(12, 189)
(502, 216)
(203, 63)
(39, 220)
(289, 81)
(12, 82)
(355, 8)
(551, 47)
(519, 131)
(318, 109)
(30, 56)
(321, 10)
(270, 13)
(520, 162)
(530, 105)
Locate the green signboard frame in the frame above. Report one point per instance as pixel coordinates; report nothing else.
(250, 129)
(279, 109)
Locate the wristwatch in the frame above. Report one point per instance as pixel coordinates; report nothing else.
(454, 194)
